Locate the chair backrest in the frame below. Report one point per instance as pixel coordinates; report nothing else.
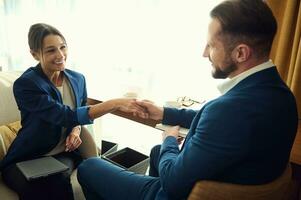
(8, 107)
(212, 190)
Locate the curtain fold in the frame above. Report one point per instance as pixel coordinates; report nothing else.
(286, 50)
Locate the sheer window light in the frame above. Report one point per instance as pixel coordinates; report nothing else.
(150, 47)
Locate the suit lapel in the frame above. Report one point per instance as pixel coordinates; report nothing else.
(49, 85)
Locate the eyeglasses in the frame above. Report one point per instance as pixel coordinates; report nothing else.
(186, 101)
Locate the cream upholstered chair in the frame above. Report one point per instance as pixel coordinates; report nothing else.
(10, 124)
(278, 189)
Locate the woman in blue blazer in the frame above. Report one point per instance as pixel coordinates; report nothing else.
(52, 101)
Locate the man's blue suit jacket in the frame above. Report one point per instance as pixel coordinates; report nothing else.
(43, 114)
(244, 137)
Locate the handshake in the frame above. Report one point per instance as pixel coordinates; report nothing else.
(148, 110)
(142, 108)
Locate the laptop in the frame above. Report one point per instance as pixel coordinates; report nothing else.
(41, 167)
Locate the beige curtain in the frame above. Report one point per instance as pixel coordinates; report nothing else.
(286, 50)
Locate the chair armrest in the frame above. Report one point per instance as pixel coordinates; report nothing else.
(88, 148)
(212, 190)
(2, 148)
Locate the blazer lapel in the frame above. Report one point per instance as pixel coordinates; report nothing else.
(52, 88)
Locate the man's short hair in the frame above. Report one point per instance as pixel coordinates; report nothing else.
(246, 21)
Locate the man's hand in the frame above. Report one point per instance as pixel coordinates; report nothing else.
(73, 140)
(173, 131)
(130, 106)
(152, 111)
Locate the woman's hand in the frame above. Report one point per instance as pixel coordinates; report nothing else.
(73, 140)
(122, 104)
(173, 131)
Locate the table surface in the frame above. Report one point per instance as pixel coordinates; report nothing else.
(127, 133)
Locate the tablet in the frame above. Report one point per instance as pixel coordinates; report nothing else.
(182, 131)
(41, 167)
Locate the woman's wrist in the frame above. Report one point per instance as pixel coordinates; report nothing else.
(79, 128)
(115, 104)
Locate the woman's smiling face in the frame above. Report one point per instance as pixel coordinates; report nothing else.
(53, 54)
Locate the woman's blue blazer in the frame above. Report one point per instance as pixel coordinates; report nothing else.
(43, 114)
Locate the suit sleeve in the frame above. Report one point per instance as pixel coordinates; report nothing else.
(34, 100)
(182, 117)
(214, 147)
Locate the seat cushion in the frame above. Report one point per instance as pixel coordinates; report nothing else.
(6, 193)
(7, 134)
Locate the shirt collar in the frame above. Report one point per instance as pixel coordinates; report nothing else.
(228, 84)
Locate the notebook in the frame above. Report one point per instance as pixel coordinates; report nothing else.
(182, 131)
(41, 167)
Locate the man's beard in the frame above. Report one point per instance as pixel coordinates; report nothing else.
(222, 74)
